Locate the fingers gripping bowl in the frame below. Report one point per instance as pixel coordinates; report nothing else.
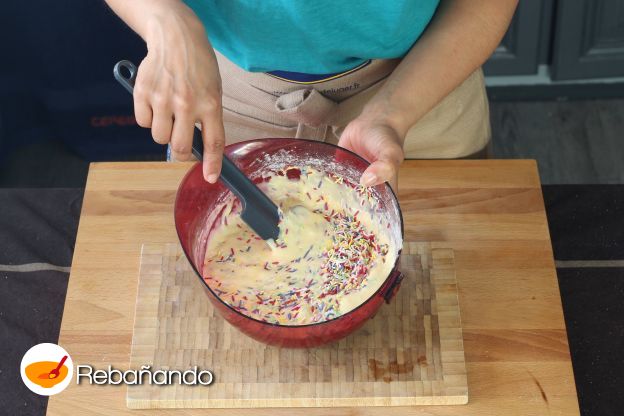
(202, 209)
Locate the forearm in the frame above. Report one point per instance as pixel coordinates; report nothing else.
(460, 38)
(144, 16)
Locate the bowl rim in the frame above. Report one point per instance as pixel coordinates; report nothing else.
(391, 275)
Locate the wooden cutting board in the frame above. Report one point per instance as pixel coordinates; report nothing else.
(491, 212)
(410, 353)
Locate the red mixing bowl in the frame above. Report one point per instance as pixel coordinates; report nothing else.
(196, 211)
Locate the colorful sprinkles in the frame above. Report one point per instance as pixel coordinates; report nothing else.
(353, 251)
(309, 288)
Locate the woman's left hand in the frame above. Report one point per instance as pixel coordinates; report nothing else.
(380, 144)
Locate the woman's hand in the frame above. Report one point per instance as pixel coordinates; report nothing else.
(461, 36)
(178, 82)
(377, 141)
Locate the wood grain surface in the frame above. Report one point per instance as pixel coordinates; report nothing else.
(491, 213)
(410, 353)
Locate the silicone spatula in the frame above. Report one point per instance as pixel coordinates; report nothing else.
(258, 211)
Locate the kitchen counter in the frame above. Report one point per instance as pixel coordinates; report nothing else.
(516, 344)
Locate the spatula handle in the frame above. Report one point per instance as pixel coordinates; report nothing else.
(234, 179)
(127, 82)
(246, 191)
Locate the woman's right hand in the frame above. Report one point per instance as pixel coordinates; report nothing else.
(178, 84)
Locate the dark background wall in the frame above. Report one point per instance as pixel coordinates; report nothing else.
(56, 78)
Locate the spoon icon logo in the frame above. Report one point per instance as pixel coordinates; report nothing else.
(46, 369)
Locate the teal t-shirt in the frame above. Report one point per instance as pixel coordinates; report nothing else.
(312, 36)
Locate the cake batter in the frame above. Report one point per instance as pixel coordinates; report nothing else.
(332, 254)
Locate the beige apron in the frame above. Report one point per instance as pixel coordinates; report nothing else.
(262, 105)
(257, 105)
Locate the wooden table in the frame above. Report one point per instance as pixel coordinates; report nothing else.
(491, 212)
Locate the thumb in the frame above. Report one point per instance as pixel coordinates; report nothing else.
(384, 169)
(379, 172)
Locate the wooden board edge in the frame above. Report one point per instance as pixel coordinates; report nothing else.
(138, 330)
(443, 259)
(460, 399)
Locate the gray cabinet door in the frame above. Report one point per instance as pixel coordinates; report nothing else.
(519, 51)
(589, 39)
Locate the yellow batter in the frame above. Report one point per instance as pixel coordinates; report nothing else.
(333, 252)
